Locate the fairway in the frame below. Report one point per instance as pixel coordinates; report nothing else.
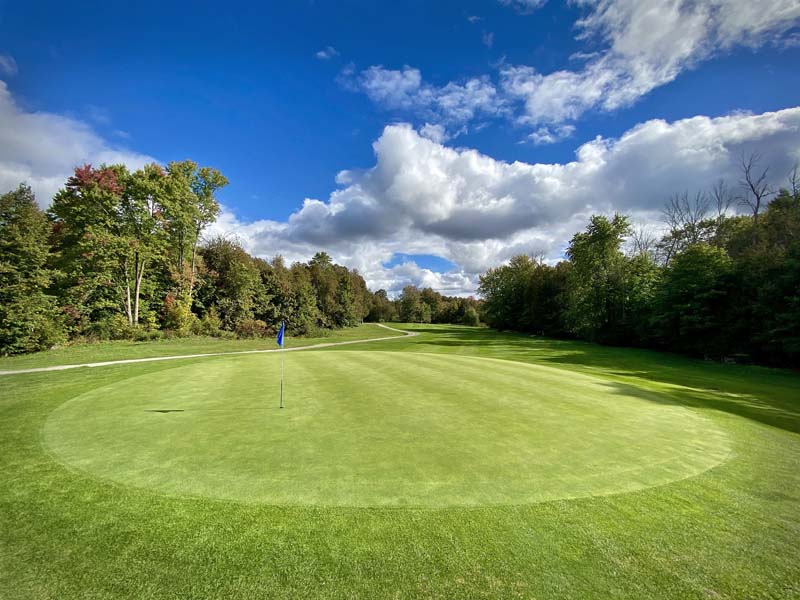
(372, 428)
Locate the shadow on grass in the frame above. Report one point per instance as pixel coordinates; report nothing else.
(769, 396)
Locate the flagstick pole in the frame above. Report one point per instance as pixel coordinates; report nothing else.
(281, 375)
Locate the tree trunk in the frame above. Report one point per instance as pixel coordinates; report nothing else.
(127, 292)
(180, 262)
(139, 276)
(194, 259)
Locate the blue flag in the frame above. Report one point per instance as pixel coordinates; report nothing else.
(280, 334)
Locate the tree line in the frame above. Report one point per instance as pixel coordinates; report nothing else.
(715, 284)
(424, 306)
(121, 254)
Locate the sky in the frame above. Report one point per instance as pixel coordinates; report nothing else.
(418, 142)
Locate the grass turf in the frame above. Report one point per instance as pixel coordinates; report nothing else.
(371, 428)
(729, 532)
(120, 350)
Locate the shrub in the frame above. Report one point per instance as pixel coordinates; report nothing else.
(151, 335)
(177, 315)
(252, 328)
(115, 327)
(471, 317)
(314, 331)
(210, 324)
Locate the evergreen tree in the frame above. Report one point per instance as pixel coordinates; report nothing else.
(27, 313)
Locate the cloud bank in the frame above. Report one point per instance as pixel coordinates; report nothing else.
(422, 197)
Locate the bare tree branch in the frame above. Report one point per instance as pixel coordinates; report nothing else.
(684, 215)
(755, 184)
(643, 240)
(794, 178)
(722, 196)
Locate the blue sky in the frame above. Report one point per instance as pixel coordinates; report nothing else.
(283, 96)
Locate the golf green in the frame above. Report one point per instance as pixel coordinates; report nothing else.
(380, 429)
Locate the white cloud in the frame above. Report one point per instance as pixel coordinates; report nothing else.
(327, 53)
(394, 279)
(788, 41)
(488, 39)
(648, 43)
(98, 114)
(550, 135)
(452, 105)
(631, 48)
(435, 133)
(524, 7)
(395, 88)
(42, 148)
(422, 197)
(8, 66)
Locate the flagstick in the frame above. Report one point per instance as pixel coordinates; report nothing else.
(281, 375)
(281, 345)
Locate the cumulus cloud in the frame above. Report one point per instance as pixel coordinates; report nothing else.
(550, 135)
(524, 7)
(631, 48)
(41, 149)
(422, 197)
(434, 132)
(647, 43)
(8, 66)
(327, 53)
(451, 106)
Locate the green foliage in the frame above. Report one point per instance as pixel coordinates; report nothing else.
(342, 298)
(231, 281)
(471, 317)
(642, 283)
(124, 258)
(596, 294)
(304, 317)
(427, 306)
(178, 316)
(725, 287)
(122, 239)
(525, 295)
(504, 292)
(210, 324)
(253, 328)
(381, 308)
(767, 279)
(28, 319)
(692, 301)
(412, 309)
(113, 327)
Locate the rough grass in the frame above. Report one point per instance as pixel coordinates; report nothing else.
(117, 350)
(730, 532)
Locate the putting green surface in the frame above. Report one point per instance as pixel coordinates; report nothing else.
(372, 428)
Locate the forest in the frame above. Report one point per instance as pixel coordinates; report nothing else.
(720, 283)
(123, 255)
